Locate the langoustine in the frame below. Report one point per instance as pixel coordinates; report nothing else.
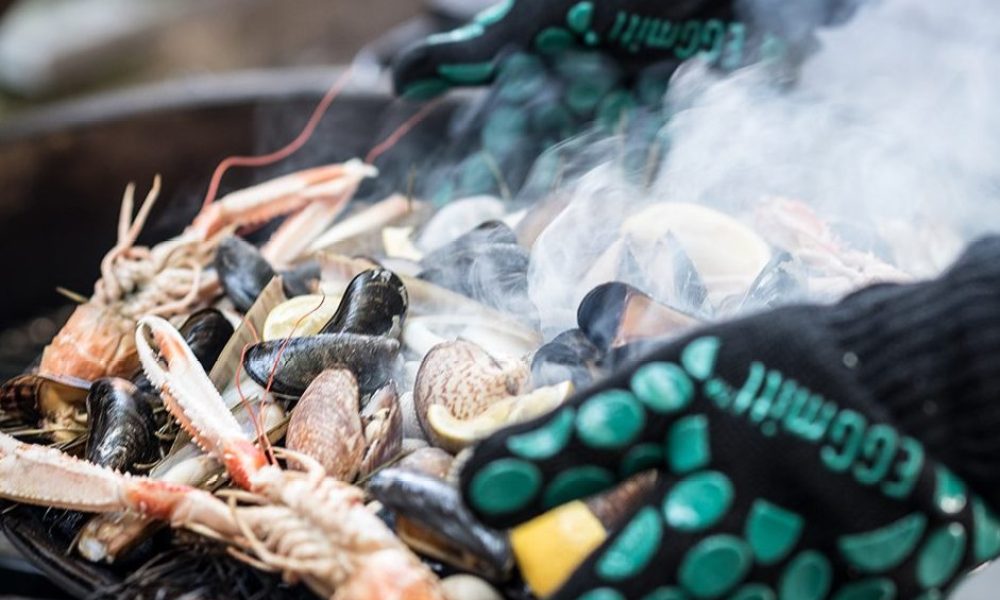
(305, 524)
(170, 278)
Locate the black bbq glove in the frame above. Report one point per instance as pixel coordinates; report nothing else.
(636, 33)
(847, 452)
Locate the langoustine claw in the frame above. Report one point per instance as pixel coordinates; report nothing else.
(328, 538)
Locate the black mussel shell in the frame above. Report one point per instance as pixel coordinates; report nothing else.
(301, 279)
(499, 279)
(616, 313)
(689, 289)
(452, 533)
(569, 356)
(243, 272)
(489, 233)
(370, 358)
(206, 332)
(485, 264)
(600, 312)
(375, 303)
(121, 425)
(775, 284)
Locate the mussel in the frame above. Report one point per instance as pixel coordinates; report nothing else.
(326, 426)
(485, 264)
(121, 425)
(49, 401)
(374, 303)
(296, 362)
(432, 519)
(616, 313)
(570, 356)
(244, 272)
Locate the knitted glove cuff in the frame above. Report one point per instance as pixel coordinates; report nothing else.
(929, 353)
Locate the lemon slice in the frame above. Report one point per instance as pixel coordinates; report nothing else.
(453, 434)
(283, 318)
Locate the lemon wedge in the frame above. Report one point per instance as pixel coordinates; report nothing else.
(453, 434)
(282, 320)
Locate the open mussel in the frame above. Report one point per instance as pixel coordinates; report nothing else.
(121, 425)
(432, 519)
(325, 424)
(244, 272)
(615, 313)
(570, 356)
(375, 303)
(289, 366)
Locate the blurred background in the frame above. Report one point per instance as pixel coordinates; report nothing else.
(52, 50)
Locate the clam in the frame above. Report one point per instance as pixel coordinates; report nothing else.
(432, 519)
(289, 366)
(325, 424)
(382, 422)
(374, 303)
(121, 425)
(465, 380)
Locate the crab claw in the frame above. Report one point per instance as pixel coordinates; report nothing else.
(191, 398)
(284, 195)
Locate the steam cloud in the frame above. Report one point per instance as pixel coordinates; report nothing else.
(889, 131)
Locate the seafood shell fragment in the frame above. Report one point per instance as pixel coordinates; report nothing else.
(325, 424)
(382, 420)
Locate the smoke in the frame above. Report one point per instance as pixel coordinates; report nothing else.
(889, 130)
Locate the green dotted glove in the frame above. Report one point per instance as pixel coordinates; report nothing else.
(846, 452)
(635, 32)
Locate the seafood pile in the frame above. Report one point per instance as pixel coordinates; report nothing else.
(306, 403)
